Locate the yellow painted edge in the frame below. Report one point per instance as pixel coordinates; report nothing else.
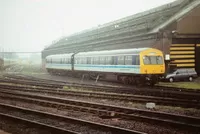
(182, 56)
(182, 48)
(180, 45)
(182, 52)
(198, 45)
(185, 65)
(177, 61)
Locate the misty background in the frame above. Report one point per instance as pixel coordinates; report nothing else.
(30, 25)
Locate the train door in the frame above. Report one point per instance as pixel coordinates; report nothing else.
(72, 62)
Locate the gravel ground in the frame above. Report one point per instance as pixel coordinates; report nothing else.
(140, 126)
(18, 128)
(168, 109)
(59, 123)
(47, 76)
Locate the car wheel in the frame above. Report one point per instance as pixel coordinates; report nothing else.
(171, 79)
(190, 78)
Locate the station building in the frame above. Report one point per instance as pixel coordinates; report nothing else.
(173, 28)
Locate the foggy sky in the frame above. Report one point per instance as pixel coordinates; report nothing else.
(29, 25)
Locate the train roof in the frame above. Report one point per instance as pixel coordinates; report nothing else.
(135, 51)
(112, 52)
(59, 55)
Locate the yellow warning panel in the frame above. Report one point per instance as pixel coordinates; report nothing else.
(182, 48)
(182, 56)
(183, 61)
(185, 65)
(183, 45)
(182, 52)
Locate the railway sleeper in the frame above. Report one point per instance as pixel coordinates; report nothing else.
(131, 116)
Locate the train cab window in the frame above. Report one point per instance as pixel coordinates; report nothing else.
(121, 60)
(146, 60)
(153, 60)
(128, 60)
(159, 60)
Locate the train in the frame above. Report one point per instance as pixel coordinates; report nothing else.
(130, 66)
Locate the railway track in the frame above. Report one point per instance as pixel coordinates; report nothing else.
(26, 77)
(104, 95)
(102, 110)
(136, 91)
(57, 123)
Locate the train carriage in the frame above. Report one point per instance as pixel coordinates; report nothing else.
(58, 63)
(129, 65)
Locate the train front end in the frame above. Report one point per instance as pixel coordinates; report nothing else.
(152, 65)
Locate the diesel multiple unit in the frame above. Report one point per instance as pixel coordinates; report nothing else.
(128, 65)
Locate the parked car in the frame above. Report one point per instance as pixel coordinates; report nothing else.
(181, 74)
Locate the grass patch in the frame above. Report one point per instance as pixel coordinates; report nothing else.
(189, 85)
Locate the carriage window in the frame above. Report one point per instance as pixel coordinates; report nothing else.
(77, 61)
(57, 61)
(137, 60)
(114, 58)
(128, 60)
(96, 60)
(80, 61)
(102, 60)
(67, 61)
(89, 60)
(83, 60)
(92, 60)
(121, 60)
(63, 61)
(109, 61)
